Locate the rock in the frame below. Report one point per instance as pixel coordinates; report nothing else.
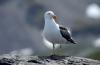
(46, 60)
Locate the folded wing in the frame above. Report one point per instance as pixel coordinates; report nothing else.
(66, 34)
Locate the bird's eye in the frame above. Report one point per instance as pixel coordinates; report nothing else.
(48, 13)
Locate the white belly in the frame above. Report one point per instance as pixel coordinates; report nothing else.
(54, 36)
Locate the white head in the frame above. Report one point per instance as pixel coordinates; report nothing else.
(50, 15)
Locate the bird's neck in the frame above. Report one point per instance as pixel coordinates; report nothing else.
(50, 23)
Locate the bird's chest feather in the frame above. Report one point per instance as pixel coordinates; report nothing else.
(52, 33)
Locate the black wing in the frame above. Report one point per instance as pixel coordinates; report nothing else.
(65, 34)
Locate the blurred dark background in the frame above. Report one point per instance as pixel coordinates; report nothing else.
(22, 22)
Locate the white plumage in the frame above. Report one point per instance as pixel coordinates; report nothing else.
(53, 32)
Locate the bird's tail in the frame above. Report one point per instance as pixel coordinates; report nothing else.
(72, 41)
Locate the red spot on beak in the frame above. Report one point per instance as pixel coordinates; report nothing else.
(55, 18)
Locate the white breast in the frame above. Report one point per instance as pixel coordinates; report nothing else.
(52, 32)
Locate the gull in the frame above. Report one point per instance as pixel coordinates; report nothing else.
(55, 33)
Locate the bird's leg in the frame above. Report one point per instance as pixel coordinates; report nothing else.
(53, 49)
(60, 46)
(60, 50)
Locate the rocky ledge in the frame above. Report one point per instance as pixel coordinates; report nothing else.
(8, 59)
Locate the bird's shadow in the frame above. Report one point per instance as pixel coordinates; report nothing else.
(53, 57)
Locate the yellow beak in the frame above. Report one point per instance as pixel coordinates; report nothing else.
(55, 18)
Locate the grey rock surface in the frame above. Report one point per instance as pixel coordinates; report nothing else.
(8, 59)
